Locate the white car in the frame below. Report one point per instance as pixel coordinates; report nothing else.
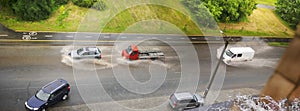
(236, 54)
(87, 52)
(185, 100)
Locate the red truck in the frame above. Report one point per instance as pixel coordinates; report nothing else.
(134, 52)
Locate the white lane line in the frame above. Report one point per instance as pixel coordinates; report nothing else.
(194, 38)
(48, 36)
(106, 37)
(140, 37)
(70, 36)
(182, 38)
(154, 37)
(3, 35)
(88, 36)
(123, 37)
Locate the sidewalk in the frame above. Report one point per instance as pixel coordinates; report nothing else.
(155, 103)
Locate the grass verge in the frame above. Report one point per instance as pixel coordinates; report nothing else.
(266, 2)
(279, 44)
(154, 19)
(262, 21)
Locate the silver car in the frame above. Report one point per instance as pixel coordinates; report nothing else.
(87, 52)
(185, 100)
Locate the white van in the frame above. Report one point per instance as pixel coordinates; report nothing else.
(236, 54)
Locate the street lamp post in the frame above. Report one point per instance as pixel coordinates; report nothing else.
(217, 67)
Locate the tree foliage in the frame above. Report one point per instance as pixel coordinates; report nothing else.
(224, 10)
(84, 3)
(96, 4)
(99, 5)
(289, 11)
(202, 15)
(33, 10)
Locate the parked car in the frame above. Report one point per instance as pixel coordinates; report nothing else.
(55, 91)
(185, 100)
(86, 52)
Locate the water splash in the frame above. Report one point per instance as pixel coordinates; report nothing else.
(141, 63)
(86, 64)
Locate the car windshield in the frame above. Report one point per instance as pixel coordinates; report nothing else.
(42, 95)
(195, 98)
(129, 50)
(229, 53)
(79, 50)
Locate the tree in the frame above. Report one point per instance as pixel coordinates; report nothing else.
(289, 11)
(95, 4)
(202, 15)
(33, 10)
(84, 3)
(224, 10)
(99, 5)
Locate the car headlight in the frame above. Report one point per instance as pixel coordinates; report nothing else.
(35, 108)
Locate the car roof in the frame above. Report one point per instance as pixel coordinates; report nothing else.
(54, 85)
(237, 50)
(184, 95)
(91, 49)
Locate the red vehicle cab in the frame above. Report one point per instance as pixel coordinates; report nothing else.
(131, 53)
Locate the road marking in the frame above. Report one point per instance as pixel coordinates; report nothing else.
(123, 37)
(154, 37)
(194, 38)
(140, 37)
(169, 38)
(106, 37)
(48, 36)
(182, 38)
(112, 41)
(88, 36)
(70, 36)
(3, 35)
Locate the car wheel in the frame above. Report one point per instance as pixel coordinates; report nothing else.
(65, 97)
(43, 109)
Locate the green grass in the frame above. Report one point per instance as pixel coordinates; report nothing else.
(262, 21)
(267, 2)
(64, 19)
(279, 44)
(153, 18)
(246, 33)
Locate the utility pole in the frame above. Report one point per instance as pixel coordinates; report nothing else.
(217, 67)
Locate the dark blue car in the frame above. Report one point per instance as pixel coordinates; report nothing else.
(50, 94)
